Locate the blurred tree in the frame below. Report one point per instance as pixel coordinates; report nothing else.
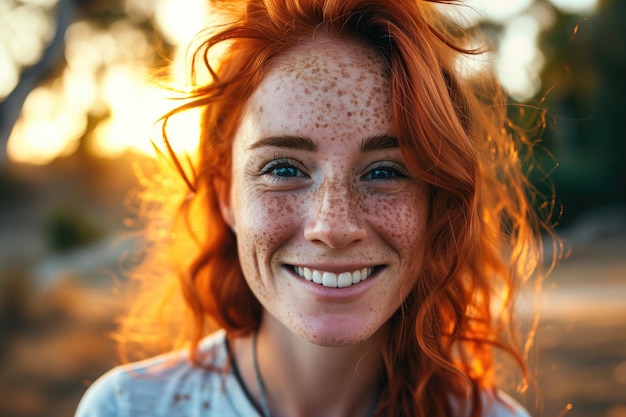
(49, 61)
(583, 80)
(68, 228)
(585, 76)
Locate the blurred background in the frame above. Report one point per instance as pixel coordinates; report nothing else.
(78, 101)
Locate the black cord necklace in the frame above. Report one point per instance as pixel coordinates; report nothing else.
(259, 380)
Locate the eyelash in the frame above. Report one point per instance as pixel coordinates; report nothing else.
(393, 171)
(396, 171)
(281, 162)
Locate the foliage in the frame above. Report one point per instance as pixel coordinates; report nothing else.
(67, 228)
(585, 80)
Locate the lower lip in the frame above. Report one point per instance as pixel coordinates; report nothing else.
(345, 294)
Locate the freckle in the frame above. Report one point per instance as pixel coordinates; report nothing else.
(340, 93)
(349, 114)
(206, 405)
(176, 398)
(307, 91)
(261, 109)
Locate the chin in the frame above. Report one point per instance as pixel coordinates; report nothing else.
(332, 335)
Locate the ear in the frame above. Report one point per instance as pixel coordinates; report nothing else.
(223, 198)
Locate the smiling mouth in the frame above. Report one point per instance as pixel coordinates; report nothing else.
(332, 280)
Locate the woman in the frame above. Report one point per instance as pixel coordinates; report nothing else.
(357, 227)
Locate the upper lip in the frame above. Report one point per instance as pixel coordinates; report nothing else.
(334, 268)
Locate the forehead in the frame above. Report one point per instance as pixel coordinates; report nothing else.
(322, 81)
(314, 59)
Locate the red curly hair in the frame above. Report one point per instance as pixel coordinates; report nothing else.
(482, 233)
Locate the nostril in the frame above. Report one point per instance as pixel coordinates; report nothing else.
(335, 235)
(335, 218)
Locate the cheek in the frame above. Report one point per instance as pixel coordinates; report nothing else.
(265, 220)
(403, 220)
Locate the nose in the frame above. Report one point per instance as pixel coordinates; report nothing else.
(337, 218)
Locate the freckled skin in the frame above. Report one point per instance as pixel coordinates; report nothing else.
(335, 93)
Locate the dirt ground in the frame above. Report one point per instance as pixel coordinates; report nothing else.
(581, 339)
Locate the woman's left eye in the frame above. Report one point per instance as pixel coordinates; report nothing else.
(384, 173)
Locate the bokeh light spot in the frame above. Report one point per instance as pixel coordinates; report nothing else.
(45, 129)
(519, 60)
(576, 6)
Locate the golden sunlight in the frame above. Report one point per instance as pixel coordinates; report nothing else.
(135, 107)
(46, 129)
(107, 77)
(180, 21)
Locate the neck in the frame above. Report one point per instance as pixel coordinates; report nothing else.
(306, 380)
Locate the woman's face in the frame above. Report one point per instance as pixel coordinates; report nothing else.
(329, 221)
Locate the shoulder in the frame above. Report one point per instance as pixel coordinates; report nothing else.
(495, 403)
(500, 404)
(164, 385)
(100, 400)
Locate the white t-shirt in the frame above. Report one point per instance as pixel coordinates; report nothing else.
(170, 386)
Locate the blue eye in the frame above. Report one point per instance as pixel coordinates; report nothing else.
(384, 173)
(282, 168)
(285, 171)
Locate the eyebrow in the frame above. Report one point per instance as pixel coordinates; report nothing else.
(285, 141)
(370, 144)
(378, 142)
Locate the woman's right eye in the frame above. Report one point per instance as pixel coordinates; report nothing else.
(285, 171)
(282, 168)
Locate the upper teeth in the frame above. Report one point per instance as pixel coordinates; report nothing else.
(332, 280)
